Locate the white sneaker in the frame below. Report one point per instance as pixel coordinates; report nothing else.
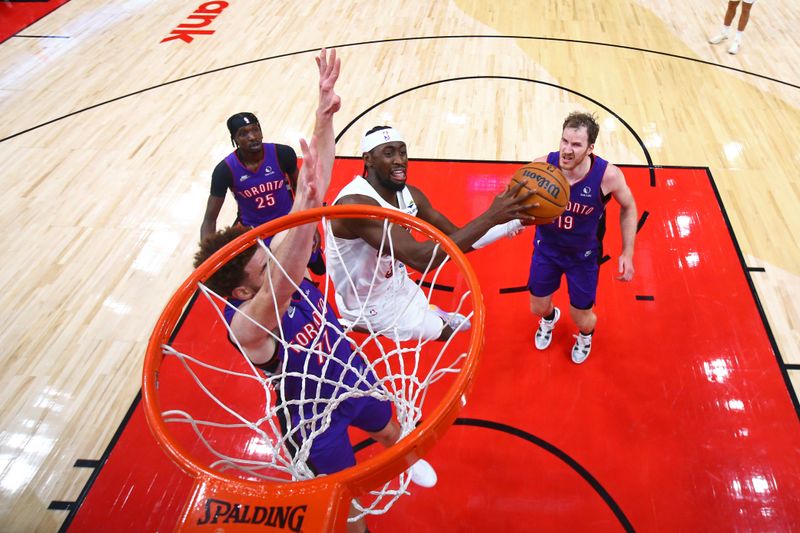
(718, 38)
(581, 348)
(455, 321)
(458, 322)
(545, 332)
(734, 47)
(423, 474)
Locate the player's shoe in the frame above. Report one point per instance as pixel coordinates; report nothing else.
(545, 332)
(581, 348)
(718, 38)
(734, 47)
(458, 322)
(455, 321)
(423, 474)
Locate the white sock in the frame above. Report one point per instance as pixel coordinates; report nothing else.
(738, 36)
(726, 31)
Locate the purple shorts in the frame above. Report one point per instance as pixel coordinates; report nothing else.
(332, 451)
(581, 268)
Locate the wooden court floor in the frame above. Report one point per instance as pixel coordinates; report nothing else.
(109, 130)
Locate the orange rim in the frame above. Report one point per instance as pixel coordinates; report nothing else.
(365, 475)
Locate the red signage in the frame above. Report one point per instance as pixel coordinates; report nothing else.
(202, 17)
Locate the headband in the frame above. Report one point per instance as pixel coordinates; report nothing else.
(240, 120)
(377, 138)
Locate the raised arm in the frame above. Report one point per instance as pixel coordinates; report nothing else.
(329, 103)
(292, 247)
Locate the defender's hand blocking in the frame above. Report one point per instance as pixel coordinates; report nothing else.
(318, 156)
(311, 182)
(329, 67)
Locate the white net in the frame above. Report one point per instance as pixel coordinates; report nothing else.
(268, 424)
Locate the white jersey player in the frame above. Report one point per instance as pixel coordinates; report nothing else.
(374, 291)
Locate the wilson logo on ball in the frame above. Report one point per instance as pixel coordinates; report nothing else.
(543, 183)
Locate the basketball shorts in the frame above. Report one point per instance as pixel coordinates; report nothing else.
(581, 269)
(402, 314)
(332, 451)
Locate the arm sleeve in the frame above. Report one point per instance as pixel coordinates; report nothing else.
(221, 180)
(509, 229)
(287, 158)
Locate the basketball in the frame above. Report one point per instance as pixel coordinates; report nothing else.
(552, 190)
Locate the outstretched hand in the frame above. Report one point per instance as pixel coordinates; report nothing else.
(311, 181)
(329, 67)
(318, 153)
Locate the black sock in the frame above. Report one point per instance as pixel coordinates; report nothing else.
(551, 316)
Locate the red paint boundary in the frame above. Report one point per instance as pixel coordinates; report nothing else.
(640, 443)
(16, 16)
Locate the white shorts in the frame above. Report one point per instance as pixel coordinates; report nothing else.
(400, 315)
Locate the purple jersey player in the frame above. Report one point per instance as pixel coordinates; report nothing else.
(571, 244)
(309, 377)
(264, 293)
(262, 194)
(261, 176)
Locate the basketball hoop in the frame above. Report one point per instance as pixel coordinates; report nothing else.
(232, 494)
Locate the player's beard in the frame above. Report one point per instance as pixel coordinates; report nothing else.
(575, 161)
(386, 181)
